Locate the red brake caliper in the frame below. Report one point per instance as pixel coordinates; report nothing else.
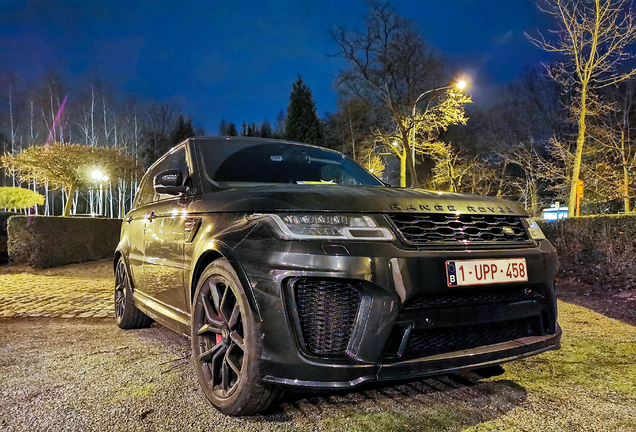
(219, 338)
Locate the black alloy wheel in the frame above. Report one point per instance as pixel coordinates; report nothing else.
(225, 344)
(126, 313)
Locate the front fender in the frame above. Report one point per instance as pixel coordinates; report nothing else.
(217, 237)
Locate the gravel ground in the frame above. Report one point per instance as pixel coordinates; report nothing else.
(88, 375)
(67, 372)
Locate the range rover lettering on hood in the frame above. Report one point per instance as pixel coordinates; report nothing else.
(441, 208)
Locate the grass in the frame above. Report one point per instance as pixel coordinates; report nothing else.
(136, 391)
(589, 384)
(597, 354)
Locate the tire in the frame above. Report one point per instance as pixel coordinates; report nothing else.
(225, 344)
(126, 313)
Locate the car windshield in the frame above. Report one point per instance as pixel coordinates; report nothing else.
(236, 164)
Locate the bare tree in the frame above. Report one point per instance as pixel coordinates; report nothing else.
(593, 39)
(612, 136)
(391, 66)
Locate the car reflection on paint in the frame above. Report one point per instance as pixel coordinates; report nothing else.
(289, 266)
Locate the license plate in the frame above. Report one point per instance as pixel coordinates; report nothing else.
(481, 272)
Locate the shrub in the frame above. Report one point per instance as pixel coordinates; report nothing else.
(598, 250)
(50, 241)
(3, 248)
(19, 198)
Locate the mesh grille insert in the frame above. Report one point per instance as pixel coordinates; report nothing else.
(436, 341)
(473, 298)
(424, 228)
(327, 310)
(451, 329)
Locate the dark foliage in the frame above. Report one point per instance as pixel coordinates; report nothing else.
(302, 123)
(46, 241)
(599, 251)
(182, 130)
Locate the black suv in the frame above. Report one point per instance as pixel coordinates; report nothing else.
(290, 265)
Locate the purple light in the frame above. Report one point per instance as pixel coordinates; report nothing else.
(57, 121)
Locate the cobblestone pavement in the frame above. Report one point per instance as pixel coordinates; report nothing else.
(77, 290)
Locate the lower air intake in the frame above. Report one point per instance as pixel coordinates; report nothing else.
(436, 341)
(327, 311)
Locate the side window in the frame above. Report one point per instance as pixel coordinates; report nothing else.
(146, 192)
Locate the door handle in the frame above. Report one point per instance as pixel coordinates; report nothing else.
(152, 216)
(129, 219)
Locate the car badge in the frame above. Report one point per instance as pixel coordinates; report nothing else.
(508, 230)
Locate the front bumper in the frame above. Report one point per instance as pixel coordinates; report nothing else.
(388, 277)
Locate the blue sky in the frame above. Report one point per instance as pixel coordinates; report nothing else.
(237, 60)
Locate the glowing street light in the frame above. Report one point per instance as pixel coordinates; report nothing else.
(460, 85)
(101, 178)
(98, 176)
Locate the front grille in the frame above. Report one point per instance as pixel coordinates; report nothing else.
(452, 298)
(424, 228)
(456, 319)
(327, 311)
(436, 341)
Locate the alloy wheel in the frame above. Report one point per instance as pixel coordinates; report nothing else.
(220, 345)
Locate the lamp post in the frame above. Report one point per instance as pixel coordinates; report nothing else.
(460, 85)
(101, 178)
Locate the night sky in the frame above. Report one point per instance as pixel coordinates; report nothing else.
(236, 60)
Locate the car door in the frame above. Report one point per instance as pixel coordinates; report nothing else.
(162, 266)
(136, 222)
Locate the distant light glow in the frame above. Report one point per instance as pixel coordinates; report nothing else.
(98, 176)
(461, 84)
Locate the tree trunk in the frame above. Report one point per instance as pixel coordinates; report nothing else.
(403, 169)
(625, 175)
(626, 189)
(578, 155)
(534, 198)
(69, 201)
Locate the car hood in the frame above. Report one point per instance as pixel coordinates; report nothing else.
(354, 199)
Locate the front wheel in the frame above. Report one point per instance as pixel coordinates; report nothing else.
(226, 346)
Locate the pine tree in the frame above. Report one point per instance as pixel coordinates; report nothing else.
(302, 123)
(265, 130)
(182, 130)
(223, 128)
(231, 130)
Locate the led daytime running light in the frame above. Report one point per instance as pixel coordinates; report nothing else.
(331, 227)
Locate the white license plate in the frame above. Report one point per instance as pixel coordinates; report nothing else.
(480, 272)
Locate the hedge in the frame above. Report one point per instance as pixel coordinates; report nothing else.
(597, 250)
(51, 241)
(3, 248)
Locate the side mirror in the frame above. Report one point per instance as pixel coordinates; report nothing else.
(170, 182)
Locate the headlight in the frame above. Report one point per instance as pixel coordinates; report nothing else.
(534, 231)
(306, 226)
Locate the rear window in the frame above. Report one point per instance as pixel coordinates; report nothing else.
(235, 164)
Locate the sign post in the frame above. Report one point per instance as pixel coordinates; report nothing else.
(579, 195)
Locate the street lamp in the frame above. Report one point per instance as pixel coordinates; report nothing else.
(460, 84)
(101, 178)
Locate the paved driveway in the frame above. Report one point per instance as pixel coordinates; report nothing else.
(78, 290)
